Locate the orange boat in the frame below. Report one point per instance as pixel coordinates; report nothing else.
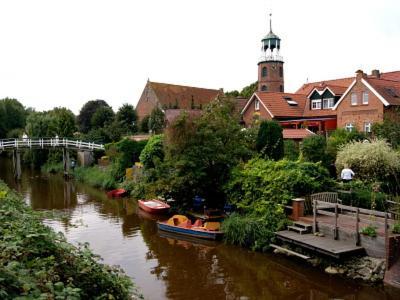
(116, 193)
(153, 206)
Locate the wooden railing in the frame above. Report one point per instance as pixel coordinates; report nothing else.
(46, 143)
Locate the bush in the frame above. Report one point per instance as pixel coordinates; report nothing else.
(291, 150)
(270, 140)
(313, 149)
(255, 232)
(144, 124)
(371, 161)
(340, 137)
(51, 167)
(369, 230)
(97, 177)
(389, 129)
(154, 150)
(37, 263)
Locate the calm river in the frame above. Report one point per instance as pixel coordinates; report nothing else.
(166, 268)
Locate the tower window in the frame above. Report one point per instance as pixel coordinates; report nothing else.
(281, 88)
(281, 71)
(264, 88)
(264, 72)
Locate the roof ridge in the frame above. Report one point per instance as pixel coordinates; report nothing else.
(186, 86)
(397, 81)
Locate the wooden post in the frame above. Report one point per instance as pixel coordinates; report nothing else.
(66, 162)
(336, 227)
(357, 227)
(17, 164)
(315, 216)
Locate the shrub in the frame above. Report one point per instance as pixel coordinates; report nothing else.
(396, 228)
(154, 150)
(313, 149)
(144, 124)
(371, 161)
(51, 167)
(340, 137)
(291, 150)
(369, 230)
(37, 263)
(270, 140)
(97, 177)
(389, 129)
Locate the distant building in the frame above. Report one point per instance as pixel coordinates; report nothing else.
(173, 99)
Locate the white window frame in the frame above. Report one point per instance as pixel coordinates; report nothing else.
(367, 127)
(257, 104)
(365, 97)
(317, 103)
(328, 103)
(350, 127)
(354, 99)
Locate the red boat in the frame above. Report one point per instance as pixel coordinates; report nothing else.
(116, 193)
(153, 206)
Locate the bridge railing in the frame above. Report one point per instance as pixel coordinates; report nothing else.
(48, 143)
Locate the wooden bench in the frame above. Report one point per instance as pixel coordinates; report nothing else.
(328, 197)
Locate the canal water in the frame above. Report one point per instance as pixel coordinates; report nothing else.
(166, 268)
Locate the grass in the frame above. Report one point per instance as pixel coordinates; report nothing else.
(97, 177)
(52, 168)
(37, 263)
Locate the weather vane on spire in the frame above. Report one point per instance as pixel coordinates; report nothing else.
(270, 22)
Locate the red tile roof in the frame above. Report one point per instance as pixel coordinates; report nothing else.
(296, 134)
(172, 114)
(170, 94)
(277, 103)
(394, 76)
(388, 89)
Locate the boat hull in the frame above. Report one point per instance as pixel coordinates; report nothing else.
(197, 233)
(161, 208)
(116, 193)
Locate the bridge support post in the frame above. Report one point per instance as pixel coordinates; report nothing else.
(66, 162)
(17, 164)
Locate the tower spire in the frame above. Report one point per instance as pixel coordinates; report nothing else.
(270, 22)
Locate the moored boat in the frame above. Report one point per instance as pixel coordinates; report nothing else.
(116, 193)
(179, 224)
(154, 206)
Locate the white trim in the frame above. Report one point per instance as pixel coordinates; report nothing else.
(345, 94)
(320, 92)
(375, 92)
(262, 103)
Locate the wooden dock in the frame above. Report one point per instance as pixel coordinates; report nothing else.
(324, 245)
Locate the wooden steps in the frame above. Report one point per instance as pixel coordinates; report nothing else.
(290, 252)
(300, 227)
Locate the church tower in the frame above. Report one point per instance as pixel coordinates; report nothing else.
(270, 65)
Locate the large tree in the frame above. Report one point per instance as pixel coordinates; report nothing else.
(64, 123)
(156, 120)
(86, 113)
(12, 116)
(127, 118)
(102, 117)
(270, 140)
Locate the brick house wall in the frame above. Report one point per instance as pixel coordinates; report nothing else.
(361, 113)
(251, 112)
(147, 102)
(273, 81)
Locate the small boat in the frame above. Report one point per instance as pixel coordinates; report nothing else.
(116, 193)
(153, 206)
(182, 225)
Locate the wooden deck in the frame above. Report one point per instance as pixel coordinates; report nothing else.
(323, 245)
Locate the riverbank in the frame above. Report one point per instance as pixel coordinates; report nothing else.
(35, 261)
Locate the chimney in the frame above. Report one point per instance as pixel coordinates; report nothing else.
(375, 73)
(360, 74)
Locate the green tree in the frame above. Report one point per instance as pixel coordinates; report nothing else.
(85, 115)
(389, 129)
(102, 117)
(153, 151)
(63, 122)
(156, 120)
(249, 90)
(313, 149)
(127, 118)
(340, 137)
(270, 140)
(12, 116)
(144, 124)
(291, 150)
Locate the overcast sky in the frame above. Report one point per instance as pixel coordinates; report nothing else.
(64, 53)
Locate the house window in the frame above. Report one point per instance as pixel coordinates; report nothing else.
(328, 103)
(316, 104)
(264, 72)
(257, 105)
(281, 71)
(350, 127)
(367, 127)
(281, 88)
(365, 98)
(354, 100)
(264, 88)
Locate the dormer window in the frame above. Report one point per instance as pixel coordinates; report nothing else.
(316, 104)
(354, 100)
(365, 98)
(257, 105)
(328, 103)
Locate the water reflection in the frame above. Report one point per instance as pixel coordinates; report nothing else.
(166, 267)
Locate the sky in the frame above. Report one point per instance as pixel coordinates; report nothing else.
(63, 53)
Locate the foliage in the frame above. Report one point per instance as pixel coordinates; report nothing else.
(126, 117)
(252, 231)
(87, 111)
(12, 116)
(396, 228)
(249, 90)
(313, 149)
(369, 230)
(232, 94)
(52, 167)
(156, 120)
(371, 161)
(389, 129)
(102, 116)
(37, 263)
(154, 150)
(144, 124)
(291, 150)
(340, 137)
(97, 177)
(260, 183)
(270, 140)
(63, 122)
